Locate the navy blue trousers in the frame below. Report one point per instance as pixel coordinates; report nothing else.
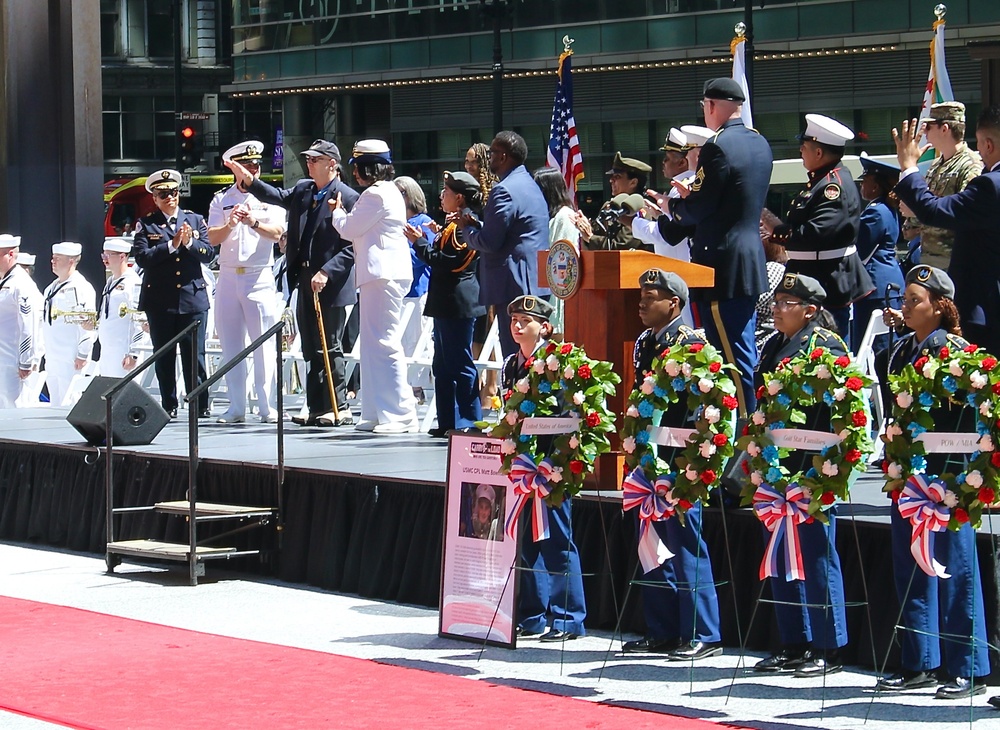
(729, 325)
(456, 381)
(163, 326)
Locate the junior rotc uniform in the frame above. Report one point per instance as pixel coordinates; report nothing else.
(66, 341)
(120, 336)
(682, 610)
(245, 294)
(21, 345)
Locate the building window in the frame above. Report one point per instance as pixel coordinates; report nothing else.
(160, 29)
(111, 28)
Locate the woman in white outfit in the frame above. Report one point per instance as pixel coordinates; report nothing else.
(383, 273)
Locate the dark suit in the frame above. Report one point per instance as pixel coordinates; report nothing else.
(727, 196)
(314, 245)
(933, 608)
(173, 295)
(684, 603)
(974, 215)
(515, 228)
(810, 611)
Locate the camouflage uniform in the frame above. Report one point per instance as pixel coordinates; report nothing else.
(947, 177)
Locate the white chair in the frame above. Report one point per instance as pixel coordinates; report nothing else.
(865, 358)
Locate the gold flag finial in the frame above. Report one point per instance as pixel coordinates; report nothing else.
(741, 29)
(939, 10)
(567, 43)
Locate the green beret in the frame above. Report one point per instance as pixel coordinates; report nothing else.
(629, 165)
(666, 281)
(933, 279)
(804, 287)
(533, 306)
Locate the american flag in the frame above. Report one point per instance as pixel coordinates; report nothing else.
(564, 144)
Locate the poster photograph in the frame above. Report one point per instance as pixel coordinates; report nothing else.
(477, 577)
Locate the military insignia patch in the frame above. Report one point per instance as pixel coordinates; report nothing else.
(832, 192)
(789, 281)
(923, 273)
(699, 179)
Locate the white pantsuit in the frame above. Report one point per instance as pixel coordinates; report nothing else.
(119, 336)
(21, 343)
(66, 342)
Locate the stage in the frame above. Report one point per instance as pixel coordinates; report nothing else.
(363, 514)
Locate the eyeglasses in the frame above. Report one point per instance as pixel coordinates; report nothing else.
(165, 194)
(785, 304)
(315, 159)
(703, 102)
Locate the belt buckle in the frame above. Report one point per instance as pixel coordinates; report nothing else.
(241, 270)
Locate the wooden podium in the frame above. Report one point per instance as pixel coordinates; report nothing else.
(603, 317)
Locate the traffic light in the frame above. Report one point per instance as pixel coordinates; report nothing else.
(188, 139)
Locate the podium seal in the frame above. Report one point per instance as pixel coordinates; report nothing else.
(562, 269)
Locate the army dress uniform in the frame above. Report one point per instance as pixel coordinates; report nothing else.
(174, 291)
(21, 345)
(621, 238)
(66, 341)
(120, 336)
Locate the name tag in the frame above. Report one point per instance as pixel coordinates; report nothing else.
(550, 425)
(949, 443)
(803, 439)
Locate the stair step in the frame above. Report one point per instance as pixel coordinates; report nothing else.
(212, 510)
(170, 550)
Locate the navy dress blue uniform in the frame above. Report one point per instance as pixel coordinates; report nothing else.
(314, 245)
(974, 215)
(552, 587)
(174, 294)
(811, 611)
(877, 238)
(684, 605)
(933, 608)
(727, 196)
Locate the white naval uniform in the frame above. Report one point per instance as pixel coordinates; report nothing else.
(66, 342)
(245, 296)
(647, 231)
(21, 343)
(119, 336)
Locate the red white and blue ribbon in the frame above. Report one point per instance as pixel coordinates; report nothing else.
(654, 503)
(920, 503)
(530, 481)
(782, 514)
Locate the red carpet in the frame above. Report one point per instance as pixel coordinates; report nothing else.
(90, 670)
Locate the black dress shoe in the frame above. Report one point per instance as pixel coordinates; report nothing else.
(819, 664)
(786, 660)
(205, 413)
(695, 650)
(300, 421)
(172, 413)
(995, 701)
(437, 433)
(652, 646)
(959, 688)
(554, 635)
(905, 680)
(525, 633)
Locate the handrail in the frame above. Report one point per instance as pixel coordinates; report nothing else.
(191, 399)
(108, 396)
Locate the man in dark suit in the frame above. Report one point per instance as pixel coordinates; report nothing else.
(319, 260)
(514, 228)
(171, 245)
(974, 215)
(723, 202)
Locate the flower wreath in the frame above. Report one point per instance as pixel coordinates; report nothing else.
(782, 500)
(933, 503)
(561, 382)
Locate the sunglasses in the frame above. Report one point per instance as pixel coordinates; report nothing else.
(165, 194)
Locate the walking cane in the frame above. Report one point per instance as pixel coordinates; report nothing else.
(326, 355)
(889, 289)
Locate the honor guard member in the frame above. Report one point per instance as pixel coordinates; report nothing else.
(723, 203)
(171, 244)
(822, 223)
(26, 261)
(20, 346)
(318, 260)
(552, 586)
(69, 301)
(811, 613)
(679, 600)
(245, 230)
(118, 331)
(627, 176)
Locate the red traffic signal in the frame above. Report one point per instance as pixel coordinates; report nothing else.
(187, 133)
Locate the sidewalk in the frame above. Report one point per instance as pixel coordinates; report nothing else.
(231, 605)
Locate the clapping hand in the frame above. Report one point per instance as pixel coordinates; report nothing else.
(335, 203)
(660, 200)
(412, 233)
(683, 188)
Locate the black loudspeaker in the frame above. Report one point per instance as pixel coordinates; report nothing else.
(135, 419)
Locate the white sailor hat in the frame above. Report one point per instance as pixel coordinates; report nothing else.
(371, 150)
(676, 141)
(67, 248)
(826, 131)
(250, 151)
(696, 136)
(163, 179)
(25, 259)
(485, 491)
(118, 245)
(9, 241)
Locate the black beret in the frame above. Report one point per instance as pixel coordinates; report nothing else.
(933, 279)
(531, 305)
(461, 182)
(804, 287)
(723, 88)
(666, 281)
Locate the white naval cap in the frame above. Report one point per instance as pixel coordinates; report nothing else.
(9, 241)
(676, 141)
(67, 248)
(250, 151)
(25, 259)
(696, 136)
(369, 150)
(826, 130)
(163, 179)
(117, 245)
